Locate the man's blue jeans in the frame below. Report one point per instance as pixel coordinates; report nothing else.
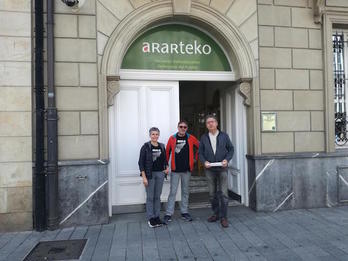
(218, 191)
(153, 194)
(175, 178)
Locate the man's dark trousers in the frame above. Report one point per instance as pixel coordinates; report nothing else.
(218, 194)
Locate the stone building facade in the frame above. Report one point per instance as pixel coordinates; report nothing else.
(16, 115)
(280, 52)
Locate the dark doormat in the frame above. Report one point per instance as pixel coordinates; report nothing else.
(57, 250)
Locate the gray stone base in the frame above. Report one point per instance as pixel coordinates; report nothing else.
(79, 181)
(279, 182)
(276, 182)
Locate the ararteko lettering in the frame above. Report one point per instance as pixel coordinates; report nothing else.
(177, 48)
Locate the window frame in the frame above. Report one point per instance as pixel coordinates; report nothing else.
(344, 33)
(330, 19)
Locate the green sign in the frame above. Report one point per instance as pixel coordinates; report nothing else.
(175, 47)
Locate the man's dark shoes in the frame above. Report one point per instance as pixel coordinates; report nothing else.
(158, 221)
(152, 222)
(186, 216)
(213, 218)
(224, 222)
(167, 219)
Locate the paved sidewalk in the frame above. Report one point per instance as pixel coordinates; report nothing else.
(315, 234)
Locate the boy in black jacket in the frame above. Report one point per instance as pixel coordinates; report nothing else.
(153, 168)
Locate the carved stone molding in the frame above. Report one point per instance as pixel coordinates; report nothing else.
(113, 87)
(181, 7)
(318, 8)
(245, 91)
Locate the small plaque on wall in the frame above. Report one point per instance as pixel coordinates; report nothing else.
(269, 121)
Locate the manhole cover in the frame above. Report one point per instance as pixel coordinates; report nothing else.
(57, 250)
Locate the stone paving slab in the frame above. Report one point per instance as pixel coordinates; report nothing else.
(313, 234)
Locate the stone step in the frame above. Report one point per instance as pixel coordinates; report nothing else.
(194, 178)
(199, 189)
(198, 181)
(198, 184)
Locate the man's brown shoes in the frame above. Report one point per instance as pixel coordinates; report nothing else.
(213, 218)
(224, 222)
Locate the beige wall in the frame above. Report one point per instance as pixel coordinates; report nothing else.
(76, 81)
(337, 3)
(291, 76)
(15, 116)
(291, 64)
(281, 34)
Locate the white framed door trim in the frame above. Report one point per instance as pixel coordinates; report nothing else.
(156, 77)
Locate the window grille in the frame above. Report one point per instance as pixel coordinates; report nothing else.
(340, 84)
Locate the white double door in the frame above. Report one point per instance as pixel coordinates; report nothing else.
(138, 106)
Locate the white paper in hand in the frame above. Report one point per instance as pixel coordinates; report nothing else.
(215, 164)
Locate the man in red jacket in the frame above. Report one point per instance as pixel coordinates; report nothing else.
(181, 147)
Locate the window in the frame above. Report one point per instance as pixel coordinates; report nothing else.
(340, 51)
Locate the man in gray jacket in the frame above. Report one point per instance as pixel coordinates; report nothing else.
(215, 151)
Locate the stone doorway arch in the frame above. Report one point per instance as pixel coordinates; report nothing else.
(219, 26)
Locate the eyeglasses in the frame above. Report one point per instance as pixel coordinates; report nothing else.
(183, 127)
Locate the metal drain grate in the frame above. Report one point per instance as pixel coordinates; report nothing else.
(57, 250)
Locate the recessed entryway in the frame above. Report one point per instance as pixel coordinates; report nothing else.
(198, 99)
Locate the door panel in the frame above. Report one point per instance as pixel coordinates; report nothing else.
(233, 117)
(127, 125)
(138, 106)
